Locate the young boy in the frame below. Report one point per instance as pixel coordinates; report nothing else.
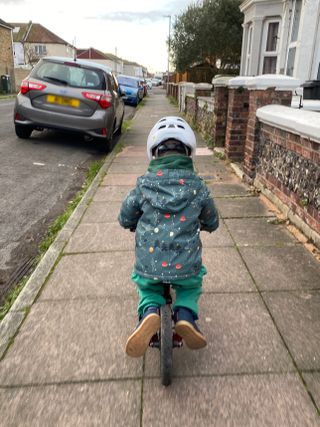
(167, 210)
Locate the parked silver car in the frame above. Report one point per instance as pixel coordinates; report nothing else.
(70, 95)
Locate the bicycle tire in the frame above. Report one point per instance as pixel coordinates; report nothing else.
(166, 345)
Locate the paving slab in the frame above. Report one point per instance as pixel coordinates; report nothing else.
(226, 271)
(241, 339)
(112, 193)
(258, 232)
(96, 404)
(242, 207)
(297, 315)
(138, 140)
(130, 160)
(128, 168)
(246, 401)
(313, 384)
(204, 168)
(139, 154)
(72, 341)
(219, 178)
(220, 237)
(99, 238)
(120, 179)
(130, 150)
(91, 275)
(282, 268)
(229, 190)
(206, 158)
(105, 212)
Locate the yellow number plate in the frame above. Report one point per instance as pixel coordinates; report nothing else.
(54, 99)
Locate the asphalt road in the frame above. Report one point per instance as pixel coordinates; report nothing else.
(38, 177)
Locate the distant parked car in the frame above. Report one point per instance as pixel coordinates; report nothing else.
(156, 82)
(149, 83)
(145, 86)
(131, 88)
(78, 96)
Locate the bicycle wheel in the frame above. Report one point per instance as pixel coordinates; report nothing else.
(166, 344)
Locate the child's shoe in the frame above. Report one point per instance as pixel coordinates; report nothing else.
(186, 327)
(148, 325)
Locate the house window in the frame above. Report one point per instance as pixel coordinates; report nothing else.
(40, 50)
(270, 44)
(294, 32)
(249, 49)
(296, 20)
(290, 61)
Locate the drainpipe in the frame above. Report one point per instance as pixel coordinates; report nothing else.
(25, 40)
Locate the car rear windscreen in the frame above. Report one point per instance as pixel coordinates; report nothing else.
(126, 81)
(69, 75)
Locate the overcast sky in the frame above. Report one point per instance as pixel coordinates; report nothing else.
(137, 29)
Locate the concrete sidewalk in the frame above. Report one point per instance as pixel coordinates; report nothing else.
(260, 312)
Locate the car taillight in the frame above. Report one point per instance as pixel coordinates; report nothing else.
(26, 86)
(104, 101)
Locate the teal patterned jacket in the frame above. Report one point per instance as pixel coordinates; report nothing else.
(167, 209)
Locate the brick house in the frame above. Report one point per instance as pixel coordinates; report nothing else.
(133, 69)
(6, 50)
(31, 42)
(108, 59)
(281, 37)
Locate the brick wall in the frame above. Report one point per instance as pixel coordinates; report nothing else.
(237, 120)
(289, 166)
(257, 99)
(6, 55)
(220, 115)
(20, 74)
(205, 117)
(191, 108)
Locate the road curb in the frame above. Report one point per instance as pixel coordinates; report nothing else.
(11, 323)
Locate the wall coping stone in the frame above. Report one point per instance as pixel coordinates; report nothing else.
(299, 122)
(265, 81)
(208, 99)
(221, 81)
(240, 81)
(278, 81)
(307, 104)
(187, 84)
(203, 86)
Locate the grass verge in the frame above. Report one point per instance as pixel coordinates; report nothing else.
(126, 125)
(7, 96)
(52, 232)
(141, 104)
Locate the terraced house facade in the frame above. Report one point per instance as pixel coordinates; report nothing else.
(281, 37)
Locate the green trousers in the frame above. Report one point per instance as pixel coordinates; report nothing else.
(187, 291)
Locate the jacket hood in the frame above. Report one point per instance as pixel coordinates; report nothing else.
(170, 183)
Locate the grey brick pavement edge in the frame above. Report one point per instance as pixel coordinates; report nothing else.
(11, 323)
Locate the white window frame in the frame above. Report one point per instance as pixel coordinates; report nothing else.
(264, 52)
(293, 44)
(42, 48)
(249, 50)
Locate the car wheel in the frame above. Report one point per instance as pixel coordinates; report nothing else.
(105, 145)
(23, 132)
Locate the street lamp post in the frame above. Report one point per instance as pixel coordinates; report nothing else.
(169, 40)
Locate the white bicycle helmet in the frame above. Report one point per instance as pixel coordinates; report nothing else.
(171, 127)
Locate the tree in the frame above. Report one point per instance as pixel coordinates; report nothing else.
(209, 31)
